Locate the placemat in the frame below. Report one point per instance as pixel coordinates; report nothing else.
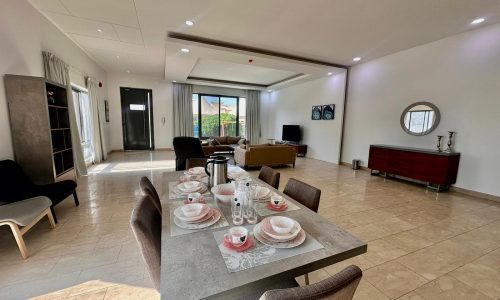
(260, 254)
(174, 196)
(176, 230)
(263, 211)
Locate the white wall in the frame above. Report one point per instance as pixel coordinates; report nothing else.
(292, 105)
(24, 34)
(162, 107)
(460, 75)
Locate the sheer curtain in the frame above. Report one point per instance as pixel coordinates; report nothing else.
(183, 109)
(57, 70)
(253, 116)
(97, 126)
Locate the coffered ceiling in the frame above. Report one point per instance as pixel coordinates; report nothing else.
(131, 35)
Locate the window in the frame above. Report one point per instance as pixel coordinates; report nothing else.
(83, 119)
(215, 115)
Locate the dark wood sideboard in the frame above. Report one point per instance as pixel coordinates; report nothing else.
(437, 169)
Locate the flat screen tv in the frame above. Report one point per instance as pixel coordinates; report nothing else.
(291, 133)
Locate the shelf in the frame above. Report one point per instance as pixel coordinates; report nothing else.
(54, 129)
(59, 151)
(58, 106)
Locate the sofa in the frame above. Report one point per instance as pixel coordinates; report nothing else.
(223, 144)
(265, 155)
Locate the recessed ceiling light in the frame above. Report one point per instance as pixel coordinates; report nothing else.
(356, 59)
(330, 73)
(189, 23)
(99, 30)
(477, 21)
(269, 91)
(118, 56)
(174, 80)
(185, 50)
(128, 71)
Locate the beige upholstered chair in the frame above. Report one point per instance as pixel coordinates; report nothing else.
(340, 286)
(146, 225)
(303, 193)
(306, 195)
(195, 162)
(270, 176)
(149, 189)
(20, 216)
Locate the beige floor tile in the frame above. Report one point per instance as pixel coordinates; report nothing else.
(407, 241)
(130, 292)
(394, 279)
(314, 277)
(381, 251)
(428, 264)
(359, 261)
(482, 278)
(94, 295)
(446, 288)
(366, 291)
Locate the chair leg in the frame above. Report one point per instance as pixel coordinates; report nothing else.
(306, 278)
(76, 198)
(19, 240)
(51, 218)
(53, 213)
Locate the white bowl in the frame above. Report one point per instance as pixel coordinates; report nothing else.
(282, 225)
(224, 192)
(192, 209)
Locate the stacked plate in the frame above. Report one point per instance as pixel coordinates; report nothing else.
(279, 232)
(188, 187)
(196, 216)
(196, 171)
(262, 193)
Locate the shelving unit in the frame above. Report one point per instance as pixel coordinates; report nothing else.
(40, 126)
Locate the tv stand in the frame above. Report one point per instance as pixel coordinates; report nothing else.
(301, 149)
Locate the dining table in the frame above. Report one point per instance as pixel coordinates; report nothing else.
(192, 266)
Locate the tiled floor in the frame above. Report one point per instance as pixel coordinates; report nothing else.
(420, 245)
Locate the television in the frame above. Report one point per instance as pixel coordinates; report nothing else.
(291, 133)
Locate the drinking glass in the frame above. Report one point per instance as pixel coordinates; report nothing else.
(237, 213)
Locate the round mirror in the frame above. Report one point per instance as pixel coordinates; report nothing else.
(420, 118)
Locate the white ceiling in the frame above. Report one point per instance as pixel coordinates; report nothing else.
(328, 30)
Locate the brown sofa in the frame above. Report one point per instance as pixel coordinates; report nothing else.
(223, 144)
(266, 154)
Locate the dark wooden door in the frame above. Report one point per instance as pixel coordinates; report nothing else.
(137, 119)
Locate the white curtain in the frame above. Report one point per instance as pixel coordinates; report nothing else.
(253, 116)
(183, 109)
(97, 125)
(57, 70)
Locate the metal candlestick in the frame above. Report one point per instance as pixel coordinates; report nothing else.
(450, 141)
(440, 137)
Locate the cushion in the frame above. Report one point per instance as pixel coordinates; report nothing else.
(25, 211)
(220, 140)
(243, 146)
(231, 140)
(242, 141)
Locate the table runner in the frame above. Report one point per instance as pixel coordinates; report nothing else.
(260, 254)
(176, 230)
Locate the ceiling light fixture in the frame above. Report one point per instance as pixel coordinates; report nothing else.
(189, 23)
(118, 56)
(269, 91)
(356, 59)
(99, 30)
(185, 50)
(174, 80)
(330, 73)
(477, 21)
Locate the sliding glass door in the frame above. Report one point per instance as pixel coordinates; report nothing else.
(215, 115)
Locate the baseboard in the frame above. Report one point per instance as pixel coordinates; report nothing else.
(156, 149)
(475, 194)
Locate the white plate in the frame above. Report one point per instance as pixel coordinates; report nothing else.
(178, 213)
(196, 171)
(190, 186)
(267, 228)
(193, 226)
(263, 193)
(261, 237)
(202, 190)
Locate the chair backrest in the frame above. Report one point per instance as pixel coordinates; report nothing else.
(149, 189)
(340, 286)
(15, 185)
(186, 147)
(195, 162)
(304, 193)
(270, 176)
(146, 225)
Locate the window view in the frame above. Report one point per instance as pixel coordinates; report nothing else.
(83, 119)
(419, 121)
(220, 115)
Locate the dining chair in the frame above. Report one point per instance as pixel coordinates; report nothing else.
(303, 193)
(148, 189)
(306, 195)
(186, 147)
(195, 162)
(340, 286)
(146, 225)
(270, 176)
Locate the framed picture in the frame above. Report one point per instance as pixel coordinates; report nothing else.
(328, 112)
(106, 110)
(316, 113)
